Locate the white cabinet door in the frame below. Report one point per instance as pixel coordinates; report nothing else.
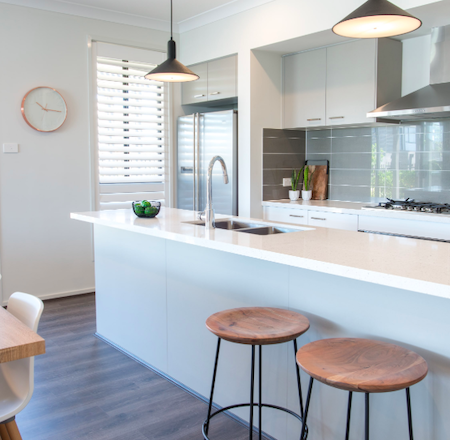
(304, 89)
(298, 217)
(196, 91)
(333, 220)
(405, 227)
(222, 76)
(351, 82)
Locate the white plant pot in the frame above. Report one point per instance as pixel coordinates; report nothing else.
(306, 195)
(294, 195)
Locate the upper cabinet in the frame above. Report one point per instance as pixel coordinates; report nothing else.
(218, 80)
(339, 85)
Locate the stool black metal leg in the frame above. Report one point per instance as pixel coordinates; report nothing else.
(408, 403)
(212, 386)
(305, 415)
(367, 417)
(299, 383)
(252, 387)
(349, 411)
(260, 392)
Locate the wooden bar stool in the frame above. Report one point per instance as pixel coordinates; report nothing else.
(363, 366)
(255, 326)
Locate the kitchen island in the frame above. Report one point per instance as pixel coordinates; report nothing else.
(157, 280)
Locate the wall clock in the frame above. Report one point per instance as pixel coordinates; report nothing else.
(44, 109)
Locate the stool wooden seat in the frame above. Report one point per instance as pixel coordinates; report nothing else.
(362, 365)
(257, 325)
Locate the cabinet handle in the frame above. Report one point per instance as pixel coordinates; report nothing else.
(314, 119)
(215, 93)
(317, 218)
(336, 117)
(199, 96)
(298, 216)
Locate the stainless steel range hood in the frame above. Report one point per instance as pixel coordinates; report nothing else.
(432, 101)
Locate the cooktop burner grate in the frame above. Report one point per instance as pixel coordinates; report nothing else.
(412, 205)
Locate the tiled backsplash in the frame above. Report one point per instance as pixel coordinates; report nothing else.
(397, 161)
(283, 151)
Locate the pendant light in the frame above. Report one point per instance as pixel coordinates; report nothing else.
(377, 19)
(171, 70)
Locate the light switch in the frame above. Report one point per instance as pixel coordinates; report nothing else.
(286, 181)
(10, 148)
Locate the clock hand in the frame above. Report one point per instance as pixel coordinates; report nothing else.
(50, 110)
(43, 108)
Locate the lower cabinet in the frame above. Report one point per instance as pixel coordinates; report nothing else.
(323, 219)
(333, 220)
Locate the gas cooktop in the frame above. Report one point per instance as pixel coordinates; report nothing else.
(412, 206)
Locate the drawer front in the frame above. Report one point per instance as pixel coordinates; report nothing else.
(332, 220)
(298, 217)
(405, 227)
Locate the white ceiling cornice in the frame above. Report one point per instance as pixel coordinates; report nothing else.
(232, 8)
(71, 8)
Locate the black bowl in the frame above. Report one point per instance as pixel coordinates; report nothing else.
(155, 211)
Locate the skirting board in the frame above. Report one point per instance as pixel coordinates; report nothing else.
(61, 294)
(175, 382)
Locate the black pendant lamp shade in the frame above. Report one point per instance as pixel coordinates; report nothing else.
(377, 19)
(171, 70)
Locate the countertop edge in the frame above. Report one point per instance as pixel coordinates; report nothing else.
(403, 283)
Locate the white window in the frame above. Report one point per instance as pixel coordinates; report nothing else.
(131, 127)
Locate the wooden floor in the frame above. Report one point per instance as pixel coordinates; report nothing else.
(85, 389)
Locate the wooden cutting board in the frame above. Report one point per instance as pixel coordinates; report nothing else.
(319, 179)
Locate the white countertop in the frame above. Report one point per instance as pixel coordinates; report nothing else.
(416, 265)
(356, 208)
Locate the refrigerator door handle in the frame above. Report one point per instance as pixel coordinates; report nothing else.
(194, 116)
(197, 153)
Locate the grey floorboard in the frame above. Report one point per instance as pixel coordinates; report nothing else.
(85, 389)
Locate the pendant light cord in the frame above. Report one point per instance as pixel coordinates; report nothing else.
(171, 19)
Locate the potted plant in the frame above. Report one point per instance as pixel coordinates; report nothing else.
(308, 172)
(294, 194)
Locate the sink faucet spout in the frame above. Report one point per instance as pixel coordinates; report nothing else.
(209, 210)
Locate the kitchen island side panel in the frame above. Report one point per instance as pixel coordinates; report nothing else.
(340, 307)
(130, 292)
(201, 282)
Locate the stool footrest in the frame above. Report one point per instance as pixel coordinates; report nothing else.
(264, 405)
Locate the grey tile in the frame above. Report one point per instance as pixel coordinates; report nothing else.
(353, 132)
(312, 156)
(318, 134)
(360, 144)
(292, 161)
(318, 145)
(350, 193)
(301, 134)
(361, 161)
(272, 132)
(275, 177)
(432, 160)
(275, 192)
(426, 195)
(284, 145)
(384, 178)
(350, 177)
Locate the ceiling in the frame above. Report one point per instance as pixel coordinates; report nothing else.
(187, 14)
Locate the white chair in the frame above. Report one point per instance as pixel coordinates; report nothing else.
(17, 377)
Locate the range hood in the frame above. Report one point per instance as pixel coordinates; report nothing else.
(430, 102)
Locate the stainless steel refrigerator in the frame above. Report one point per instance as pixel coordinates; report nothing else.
(201, 136)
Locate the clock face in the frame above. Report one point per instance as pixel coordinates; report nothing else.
(44, 109)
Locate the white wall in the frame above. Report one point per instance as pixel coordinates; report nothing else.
(43, 252)
(270, 23)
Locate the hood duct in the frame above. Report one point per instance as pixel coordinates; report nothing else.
(430, 102)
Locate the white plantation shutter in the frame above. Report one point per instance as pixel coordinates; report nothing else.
(131, 131)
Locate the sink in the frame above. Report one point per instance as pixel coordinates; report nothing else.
(249, 227)
(269, 230)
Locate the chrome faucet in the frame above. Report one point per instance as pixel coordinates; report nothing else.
(209, 210)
